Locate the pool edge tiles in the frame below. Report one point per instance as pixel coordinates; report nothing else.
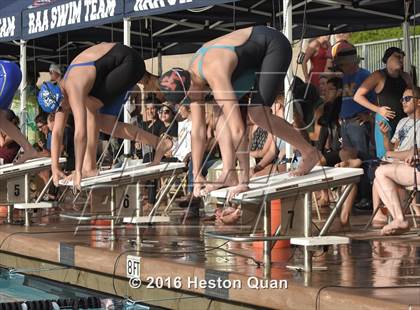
(97, 260)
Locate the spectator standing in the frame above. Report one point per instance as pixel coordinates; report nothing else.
(389, 85)
(355, 119)
(316, 53)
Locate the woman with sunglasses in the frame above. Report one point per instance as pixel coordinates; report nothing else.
(389, 84)
(10, 78)
(167, 116)
(391, 179)
(94, 89)
(256, 59)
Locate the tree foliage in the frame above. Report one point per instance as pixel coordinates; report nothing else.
(380, 34)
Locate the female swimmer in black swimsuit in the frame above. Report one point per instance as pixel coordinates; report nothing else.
(254, 59)
(94, 88)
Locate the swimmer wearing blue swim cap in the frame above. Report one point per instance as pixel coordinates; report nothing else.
(95, 87)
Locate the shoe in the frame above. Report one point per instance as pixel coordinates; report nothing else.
(363, 205)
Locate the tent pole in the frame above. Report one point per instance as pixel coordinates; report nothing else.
(159, 58)
(407, 39)
(407, 46)
(288, 96)
(127, 107)
(23, 84)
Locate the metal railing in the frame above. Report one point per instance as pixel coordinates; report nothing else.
(372, 52)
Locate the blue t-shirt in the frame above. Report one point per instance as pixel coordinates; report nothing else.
(349, 107)
(49, 136)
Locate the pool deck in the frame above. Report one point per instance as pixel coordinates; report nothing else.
(373, 272)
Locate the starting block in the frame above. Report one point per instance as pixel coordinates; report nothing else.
(126, 177)
(281, 186)
(18, 181)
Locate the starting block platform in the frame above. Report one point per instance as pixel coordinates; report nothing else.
(17, 180)
(120, 180)
(29, 167)
(282, 186)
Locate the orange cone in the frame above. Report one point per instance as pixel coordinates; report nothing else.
(275, 222)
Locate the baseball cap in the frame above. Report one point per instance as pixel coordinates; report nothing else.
(344, 52)
(390, 51)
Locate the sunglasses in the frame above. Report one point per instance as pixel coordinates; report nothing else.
(406, 99)
(164, 111)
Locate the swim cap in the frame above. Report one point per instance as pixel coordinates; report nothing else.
(390, 51)
(175, 84)
(49, 97)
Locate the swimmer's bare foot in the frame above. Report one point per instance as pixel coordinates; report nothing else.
(396, 227)
(230, 216)
(240, 188)
(27, 156)
(199, 182)
(226, 179)
(308, 161)
(74, 178)
(164, 145)
(90, 173)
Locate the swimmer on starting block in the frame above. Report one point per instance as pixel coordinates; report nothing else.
(228, 67)
(94, 89)
(10, 78)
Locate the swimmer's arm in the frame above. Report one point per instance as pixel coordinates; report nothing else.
(198, 136)
(226, 99)
(76, 100)
(60, 122)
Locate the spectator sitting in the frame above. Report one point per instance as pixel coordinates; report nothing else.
(9, 148)
(323, 80)
(155, 126)
(401, 145)
(389, 85)
(329, 133)
(41, 121)
(167, 116)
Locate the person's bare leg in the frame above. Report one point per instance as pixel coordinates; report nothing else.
(14, 133)
(380, 218)
(277, 126)
(134, 133)
(346, 209)
(388, 179)
(89, 161)
(229, 176)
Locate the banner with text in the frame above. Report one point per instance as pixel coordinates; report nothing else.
(10, 27)
(64, 16)
(154, 7)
